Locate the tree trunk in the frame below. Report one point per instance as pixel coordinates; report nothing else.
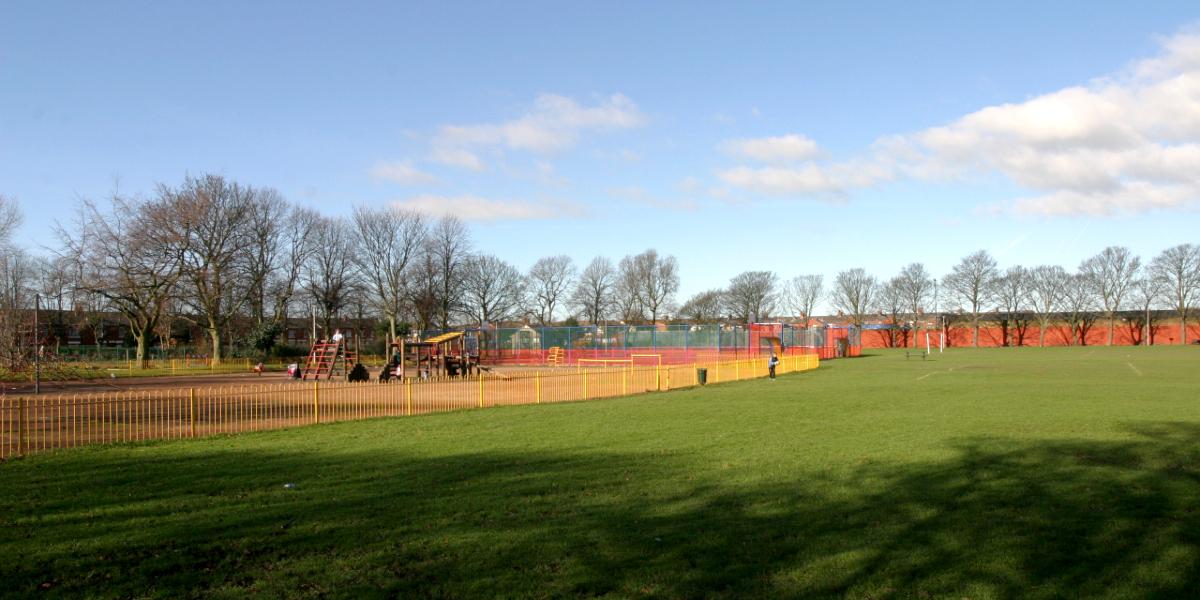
(1111, 324)
(975, 335)
(1042, 334)
(1182, 329)
(215, 335)
(143, 341)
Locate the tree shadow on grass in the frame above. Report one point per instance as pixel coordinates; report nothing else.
(1000, 519)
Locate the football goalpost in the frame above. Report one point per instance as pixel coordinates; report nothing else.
(603, 362)
(657, 358)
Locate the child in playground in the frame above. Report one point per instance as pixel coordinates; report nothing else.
(771, 365)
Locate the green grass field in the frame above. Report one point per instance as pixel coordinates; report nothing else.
(1064, 472)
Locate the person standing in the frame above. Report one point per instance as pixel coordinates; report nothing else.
(771, 365)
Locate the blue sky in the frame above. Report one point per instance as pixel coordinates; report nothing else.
(799, 139)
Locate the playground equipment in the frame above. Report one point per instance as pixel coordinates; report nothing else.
(327, 360)
(450, 354)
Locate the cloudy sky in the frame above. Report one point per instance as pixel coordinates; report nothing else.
(776, 136)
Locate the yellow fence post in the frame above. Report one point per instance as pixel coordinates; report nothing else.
(625, 380)
(316, 401)
(695, 375)
(22, 430)
(585, 397)
(658, 378)
(192, 411)
(537, 385)
(668, 378)
(481, 391)
(737, 370)
(408, 397)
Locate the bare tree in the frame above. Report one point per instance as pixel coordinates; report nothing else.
(973, 282)
(16, 275)
(802, 293)
(1012, 296)
(122, 257)
(424, 285)
(853, 294)
(18, 284)
(1146, 293)
(329, 279)
(10, 219)
(1079, 307)
(297, 246)
(450, 245)
(1178, 268)
(705, 307)
(1046, 295)
(493, 289)
(915, 286)
(264, 242)
(654, 280)
(1110, 274)
(389, 239)
(627, 299)
(593, 294)
(890, 302)
(751, 295)
(549, 279)
(55, 281)
(208, 223)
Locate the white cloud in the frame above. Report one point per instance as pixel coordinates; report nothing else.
(689, 185)
(828, 182)
(639, 195)
(780, 149)
(456, 157)
(1126, 143)
(1129, 143)
(401, 172)
(475, 208)
(554, 124)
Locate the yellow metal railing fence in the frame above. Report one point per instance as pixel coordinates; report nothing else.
(38, 423)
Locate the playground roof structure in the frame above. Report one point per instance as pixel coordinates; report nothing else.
(445, 337)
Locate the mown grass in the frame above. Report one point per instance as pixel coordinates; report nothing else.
(1042, 473)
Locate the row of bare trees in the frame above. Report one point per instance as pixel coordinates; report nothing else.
(218, 254)
(977, 290)
(639, 288)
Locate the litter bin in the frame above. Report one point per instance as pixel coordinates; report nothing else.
(702, 376)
